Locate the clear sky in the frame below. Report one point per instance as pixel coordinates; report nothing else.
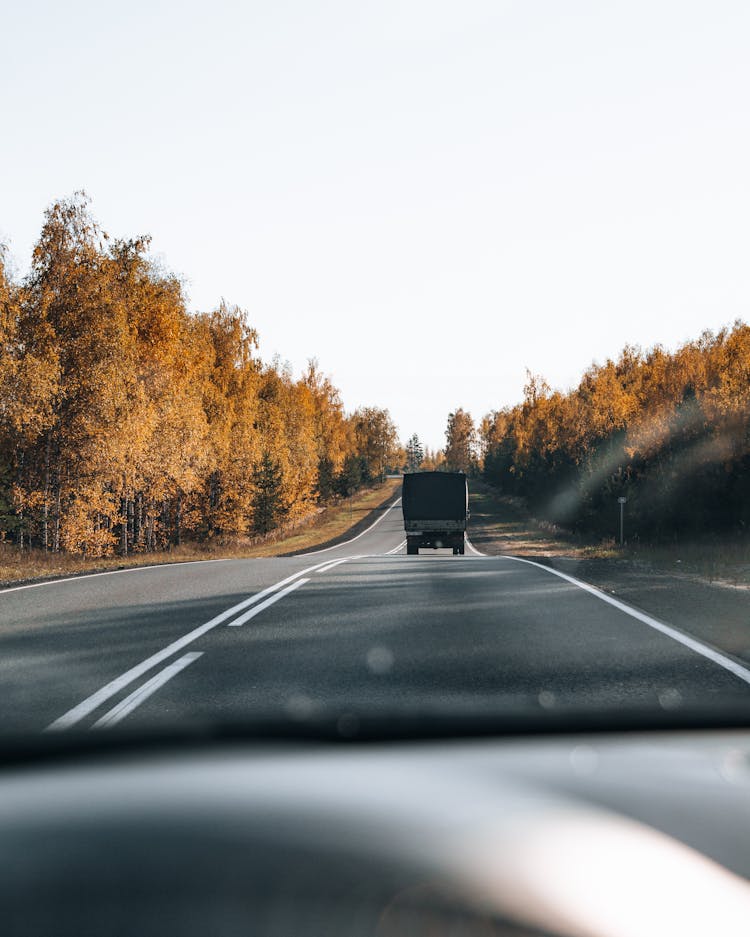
(429, 197)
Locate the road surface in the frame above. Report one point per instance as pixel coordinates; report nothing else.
(356, 626)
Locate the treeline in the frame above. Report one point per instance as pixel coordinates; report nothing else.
(668, 431)
(419, 458)
(127, 423)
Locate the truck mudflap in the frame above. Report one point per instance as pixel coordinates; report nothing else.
(435, 540)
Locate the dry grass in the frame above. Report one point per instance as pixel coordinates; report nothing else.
(319, 529)
(726, 562)
(501, 524)
(330, 525)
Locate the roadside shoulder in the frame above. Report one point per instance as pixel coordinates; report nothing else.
(347, 520)
(712, 611)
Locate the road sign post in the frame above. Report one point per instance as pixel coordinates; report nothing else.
(622, 501)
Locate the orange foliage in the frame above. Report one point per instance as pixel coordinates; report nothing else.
(126, 422)
(671, 432)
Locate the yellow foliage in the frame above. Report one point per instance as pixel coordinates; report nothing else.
(126, 421)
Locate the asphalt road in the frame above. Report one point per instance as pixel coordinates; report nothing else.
(354, 627)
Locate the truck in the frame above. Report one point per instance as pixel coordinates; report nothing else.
(435, 507)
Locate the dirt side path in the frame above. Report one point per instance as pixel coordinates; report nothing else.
(714, 612)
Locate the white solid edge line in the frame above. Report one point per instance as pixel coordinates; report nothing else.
(82, 709)
(733, 666)
(270, 601)
(113, 572)
(226, 559)
(705, 650)
(337, 546)
(473, 549)
(126, 706)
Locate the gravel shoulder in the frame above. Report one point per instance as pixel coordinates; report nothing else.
(717, 612)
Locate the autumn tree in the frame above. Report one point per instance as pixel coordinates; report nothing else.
(376, 440)
(434, 460)
(12, 405)
(460, 442)
(73, 321)
(663, 429)
(128, 423)
(330, 430)
(229, 400)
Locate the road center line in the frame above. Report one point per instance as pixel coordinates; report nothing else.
(269, 601)
(126, 706)
(395, 549)
(324, 569)
(88, 705)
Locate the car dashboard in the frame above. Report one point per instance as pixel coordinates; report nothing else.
(603, 834)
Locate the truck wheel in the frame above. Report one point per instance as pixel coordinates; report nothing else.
(411, 550)
(461, 550)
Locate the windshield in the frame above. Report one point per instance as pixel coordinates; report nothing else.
(374, 366)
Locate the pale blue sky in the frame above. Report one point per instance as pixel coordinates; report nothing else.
(427, 196)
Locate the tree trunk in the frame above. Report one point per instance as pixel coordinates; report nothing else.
(138, 520)
(213, 501)
(45, 506)
(56, 533)
(19, 482)
(123, 526)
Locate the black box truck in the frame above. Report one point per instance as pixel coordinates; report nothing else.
(435, 506)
